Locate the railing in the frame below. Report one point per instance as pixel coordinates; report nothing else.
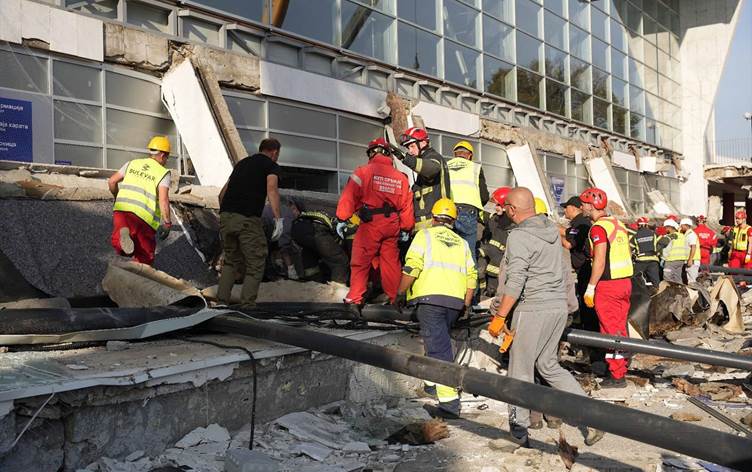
(729, 151)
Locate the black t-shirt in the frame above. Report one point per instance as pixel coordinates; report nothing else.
(577, 235)
(246, 189)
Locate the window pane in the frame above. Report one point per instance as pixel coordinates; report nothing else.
(73, 80)
(618, 64)
(579, 44)
(307, 151)
(134, 130)
(580, 74)
(556, 6)
(498, 39)
(251, 9)
(556, 98)
(83, 156)
(201, 31)
(316, 23)
(600, 54)
(460, 22)
(651, 55)
(132, 92)
(600, 84)
(22, 72)
(420, 12)
(636, 72)
(600, 113)
(418, 49)
(556, 64)
(581, 107)
(246, 112)
(617, 36)
(651, 131)
(351, 156)
(117, 158)
(528, 88)
(367, 32)
(103, 8)
(149, 17)
(502, 9)
(301, 120)
(493, 155)
(498, 77)
(78, 122)
(556, 31)
(251, 139)
(618, 91)
(651, 80)
(599, 24)
(526, 15)
(312, 180)
(460, 64)
(498, 176)
(634, 18)
(620, 120)
(578, 13)
(528, 52)
(358, 131)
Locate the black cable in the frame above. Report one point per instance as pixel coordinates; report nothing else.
(255, 378)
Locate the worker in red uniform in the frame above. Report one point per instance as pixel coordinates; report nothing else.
(610, 284)
(741, 251)
(708, 240)
(381, 197)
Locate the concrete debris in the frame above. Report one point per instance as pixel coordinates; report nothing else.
(288, 290)
(747, 420)
(319, 452)
(244, 460)
(211, 434)
(685, 416)
(76, 366)
(136, 285)
(683, 370)
(56, 302)
(117, 345)
(308, 427)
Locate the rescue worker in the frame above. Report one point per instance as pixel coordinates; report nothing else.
(494, 243)
(315, 233)
(693, 246)
(534, 287)
(741, 250)
(673, 249)
(708, 241)
(432, 182)
(576, 240)
(644, 252)
(469, 192)
(439, 277)
(380, 195)
(142, 203)
(241, 203)
(610, 285)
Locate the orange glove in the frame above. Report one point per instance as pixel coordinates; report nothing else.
(747, 258)
(590, 296)
(497, 325)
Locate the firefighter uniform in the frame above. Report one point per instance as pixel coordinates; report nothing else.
(380, 195)
(739, 255)
(613, 291)
(431, 184)
(442, 265)
(314, 232)
(491, 252)
(708, 242)
(645, 255)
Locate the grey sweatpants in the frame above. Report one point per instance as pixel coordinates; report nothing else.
(672, 271)
(536, 345)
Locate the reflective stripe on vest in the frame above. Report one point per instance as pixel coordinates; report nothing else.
(137, 193)
(740, 238)
(696, 256)
(677, 250)
(644, 245)
(619, 262)
(445, 257)
(464, 177)
(497, 244)
(318, 217)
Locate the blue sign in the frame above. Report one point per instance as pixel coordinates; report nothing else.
(557, 187)
(16, 140)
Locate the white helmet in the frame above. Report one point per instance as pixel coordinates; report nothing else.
(686, 221)
(671, 223)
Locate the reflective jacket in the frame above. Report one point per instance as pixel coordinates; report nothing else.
(318, 217)
(643, 245)
(378, 184)
(677, 249)
(443, 266)
(464, 177)
(431, 184)
(618, 254)
(696, 255)
(740, 241)
(138, 193)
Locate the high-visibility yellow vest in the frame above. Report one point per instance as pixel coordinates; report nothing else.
(643, 245)
(619, 255)
(696, 256)
(677, 250)
(138, 192)
(740, 238)
(464, 179)
(443, 266)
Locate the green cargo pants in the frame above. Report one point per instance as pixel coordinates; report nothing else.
(244, 243)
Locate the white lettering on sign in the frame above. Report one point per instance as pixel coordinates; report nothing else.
(7, 106)
(384, 184)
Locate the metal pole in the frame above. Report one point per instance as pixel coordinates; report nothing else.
(719, 416)
(726, 270)
(703, 443)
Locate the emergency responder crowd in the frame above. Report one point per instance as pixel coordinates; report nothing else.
(421, 245)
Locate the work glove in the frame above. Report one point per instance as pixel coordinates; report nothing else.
(397, 152)
(590, 296)
(404, 236)
(163, 231)
(278, 227)
(400, 301)
(495, 303)
(340, 228)
(747, 258)
(496, 326)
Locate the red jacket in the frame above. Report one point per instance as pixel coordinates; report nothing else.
(376, 184)
(708, 238)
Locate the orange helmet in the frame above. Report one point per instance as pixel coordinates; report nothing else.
(500, 195)
(595, 197)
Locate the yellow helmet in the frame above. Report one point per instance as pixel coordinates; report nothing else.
(540, 207)
(159, 143)
(444, 207)
(464, 145)
(354, 220)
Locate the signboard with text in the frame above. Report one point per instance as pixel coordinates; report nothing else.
(16, 133)
(557, 188)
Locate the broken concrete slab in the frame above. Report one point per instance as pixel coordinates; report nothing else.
(289, 291)
(683, 415)
(135, 285)
(37, 303)
(308, 427)
(212, 433)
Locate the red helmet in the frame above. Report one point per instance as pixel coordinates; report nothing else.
(378, 146)
(701, 218)
(500, 195)
(642, 220)
(740, 214)
(673, 217)
(413, 135)
(595, 197)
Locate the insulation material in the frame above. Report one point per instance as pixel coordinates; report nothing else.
(447, 119)
(625, 160)
(603, 178)
(134, 285)
(527, 170)
(184, 97)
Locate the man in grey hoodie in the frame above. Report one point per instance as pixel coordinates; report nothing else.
(535, 287)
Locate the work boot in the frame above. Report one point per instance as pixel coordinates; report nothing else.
(126, 243)
(593, 436)
(519, 436)
(292, 274)
(554, 423)
(611, 382)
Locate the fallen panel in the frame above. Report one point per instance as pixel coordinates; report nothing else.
(660, 204)
(527, 170)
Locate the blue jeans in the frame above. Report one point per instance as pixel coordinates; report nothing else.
(467, 227)
(435, 324)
